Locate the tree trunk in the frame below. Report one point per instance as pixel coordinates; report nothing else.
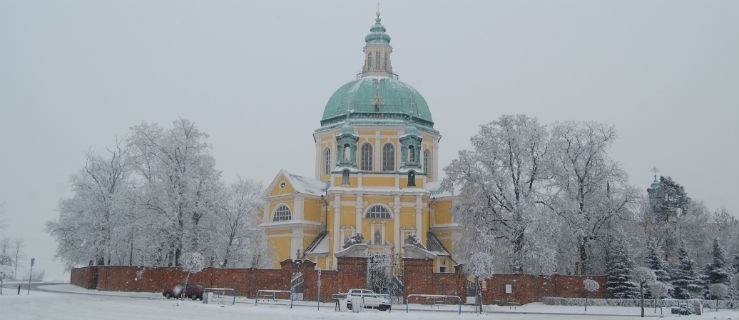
(641, 297)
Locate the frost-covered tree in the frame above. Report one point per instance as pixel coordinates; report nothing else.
(85, 228)
(158, 196)
(684, 278)
(192, 262)
(655, 263)
(180, 183)
(590, 188)
(719, 271)
(239, 240)
(718, 291)
(620, 268)
(500, 180)
(643, 276)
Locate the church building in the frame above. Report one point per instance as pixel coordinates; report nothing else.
(375, 192)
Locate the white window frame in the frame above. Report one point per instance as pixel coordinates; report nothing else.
(366, 157)
(278, 215)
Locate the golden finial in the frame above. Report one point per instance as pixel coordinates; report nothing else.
(378, 9)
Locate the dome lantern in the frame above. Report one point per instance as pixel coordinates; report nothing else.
(377, 52)
(377, 96)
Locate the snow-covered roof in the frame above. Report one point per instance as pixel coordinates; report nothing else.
(434, 245)
(307, 185)
(437, 190)
(319, 245)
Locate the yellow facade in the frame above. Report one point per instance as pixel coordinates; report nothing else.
(374, 191)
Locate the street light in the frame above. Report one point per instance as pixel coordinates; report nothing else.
(30, 275)
(319, 289)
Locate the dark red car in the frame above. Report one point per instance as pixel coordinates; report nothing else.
(192, 291)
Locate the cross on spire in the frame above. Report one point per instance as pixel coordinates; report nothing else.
(654, 171)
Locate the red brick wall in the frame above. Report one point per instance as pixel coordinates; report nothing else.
(85, 277)
(530, 288)
(418, 277)
(246, 282)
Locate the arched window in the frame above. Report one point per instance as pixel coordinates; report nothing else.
(377, 61)
(427, 164)
(369, 61)
(387, 68)
(377, 212)
(345, 177)
(411, 154)
(326, 161)
(388, 157)
(366, 163)
(282, 213)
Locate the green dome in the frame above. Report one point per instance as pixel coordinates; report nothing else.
(377, 100)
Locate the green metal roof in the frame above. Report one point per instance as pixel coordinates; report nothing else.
(379, 99)
(377, 34)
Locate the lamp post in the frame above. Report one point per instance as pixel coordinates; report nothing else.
(30, 275)
(319, 289)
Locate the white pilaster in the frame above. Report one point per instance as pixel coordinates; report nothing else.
(359, 205)
(318, 156)
(396, 223)
(419, 219)
(299, 205)
(337, 229)
(378, 152)
(296, 243)
(435, 157)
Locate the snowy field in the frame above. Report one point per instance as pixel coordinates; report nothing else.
(65, 301)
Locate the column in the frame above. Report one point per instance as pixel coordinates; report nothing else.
(337, 229)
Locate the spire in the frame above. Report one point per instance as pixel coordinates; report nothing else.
(377, 51)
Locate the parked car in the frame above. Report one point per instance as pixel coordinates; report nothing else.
(192, 291)
(368, 299)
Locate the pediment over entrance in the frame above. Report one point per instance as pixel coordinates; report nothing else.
(414, 252)
(358, 250)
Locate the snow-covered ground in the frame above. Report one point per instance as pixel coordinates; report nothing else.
(65, 301)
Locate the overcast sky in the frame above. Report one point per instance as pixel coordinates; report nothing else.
(256, 75)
